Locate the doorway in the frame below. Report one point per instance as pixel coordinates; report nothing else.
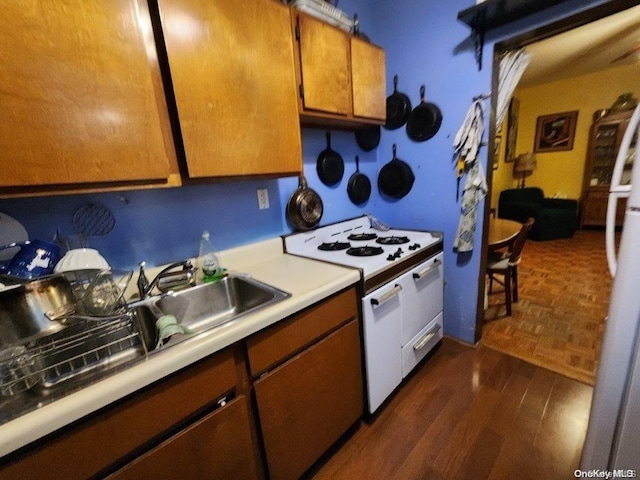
(559, 321)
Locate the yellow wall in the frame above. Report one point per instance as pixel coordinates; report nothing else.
(560, 173)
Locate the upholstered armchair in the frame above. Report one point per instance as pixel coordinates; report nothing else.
(554, 217)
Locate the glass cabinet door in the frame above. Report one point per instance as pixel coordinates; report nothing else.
(604, 154)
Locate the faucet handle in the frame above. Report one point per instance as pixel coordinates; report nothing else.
(143, 282)
(186, 277)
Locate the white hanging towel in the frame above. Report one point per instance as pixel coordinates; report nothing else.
(512, 66)
(475, 189)
(468, 139)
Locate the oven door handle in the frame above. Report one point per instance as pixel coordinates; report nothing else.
(423, 273)
(419, 345)
(376, 302)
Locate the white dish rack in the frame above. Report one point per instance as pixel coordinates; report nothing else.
(326, 12)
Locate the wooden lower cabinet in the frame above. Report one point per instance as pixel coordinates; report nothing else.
(594, 209)
(110, 436)
(219, 446)
(307, 403)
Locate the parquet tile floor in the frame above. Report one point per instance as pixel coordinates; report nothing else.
(559, 320)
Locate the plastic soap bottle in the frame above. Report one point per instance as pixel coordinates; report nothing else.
(208, 260)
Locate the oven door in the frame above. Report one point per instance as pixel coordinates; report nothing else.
(382, 313)
(422, 293)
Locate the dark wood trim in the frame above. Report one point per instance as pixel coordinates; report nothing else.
(565, 24)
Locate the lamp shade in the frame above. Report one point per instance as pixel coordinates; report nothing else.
(525, 164)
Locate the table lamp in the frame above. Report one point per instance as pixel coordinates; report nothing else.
(525, 165)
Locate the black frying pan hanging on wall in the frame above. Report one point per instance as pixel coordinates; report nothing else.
(424, 120)
(368, 138)
(395, 178)
(359, 188)
(330, 165)
(398, 108)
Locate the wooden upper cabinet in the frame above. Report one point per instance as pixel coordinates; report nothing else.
(80, 95)
(368, 74)
(325, 66)
(233, 76)
(342, 78)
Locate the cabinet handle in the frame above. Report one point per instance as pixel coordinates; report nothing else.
(427, 270)
(419, 345)
(387, 296)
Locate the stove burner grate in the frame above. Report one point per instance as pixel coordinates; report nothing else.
(366, 251)
(393, 240)
(334, 246)
(362, 236)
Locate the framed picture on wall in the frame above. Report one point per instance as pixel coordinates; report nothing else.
(512, 131)
(496, 151)
(555, 132)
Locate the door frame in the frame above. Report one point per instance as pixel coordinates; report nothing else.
(534, 35)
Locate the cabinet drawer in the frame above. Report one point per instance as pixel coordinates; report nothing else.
(418, 347)
(216, 447)
(308, 402)
(104, 438)
(268, 348)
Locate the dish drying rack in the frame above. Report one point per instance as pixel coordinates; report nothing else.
(81, 350)
(326, 12)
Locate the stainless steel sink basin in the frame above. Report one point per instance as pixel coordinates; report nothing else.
(206, 306)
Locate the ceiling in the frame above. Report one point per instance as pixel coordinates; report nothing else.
(607, 43)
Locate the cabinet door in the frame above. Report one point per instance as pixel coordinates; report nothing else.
(81, 99)
(217, 447)
(308, 402)
(368, 76)
(382, 325)
(325, 66)
(233, 76)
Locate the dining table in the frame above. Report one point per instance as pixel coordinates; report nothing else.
(502, 232)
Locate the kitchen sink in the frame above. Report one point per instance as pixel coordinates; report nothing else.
(206, 306)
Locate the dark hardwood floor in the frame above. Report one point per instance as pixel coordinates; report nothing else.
(468, 413)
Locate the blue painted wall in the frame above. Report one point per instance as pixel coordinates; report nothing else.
(425, 44)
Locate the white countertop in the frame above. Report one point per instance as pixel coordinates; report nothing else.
(308, 282)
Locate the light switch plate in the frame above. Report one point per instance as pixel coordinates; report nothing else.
(263, 198)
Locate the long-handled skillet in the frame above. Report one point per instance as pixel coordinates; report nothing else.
(395, 178)
(359, 188)
(330, 165)
(398, 108)
(424, 120)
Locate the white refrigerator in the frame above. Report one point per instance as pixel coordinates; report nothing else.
(613, 434)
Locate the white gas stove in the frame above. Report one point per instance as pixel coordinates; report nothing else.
(402, 293)
(380, 255)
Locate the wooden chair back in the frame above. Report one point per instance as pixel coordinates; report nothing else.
(518, 242)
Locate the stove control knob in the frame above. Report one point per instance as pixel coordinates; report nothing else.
(415, 246)
(398, 253)
(391, 258)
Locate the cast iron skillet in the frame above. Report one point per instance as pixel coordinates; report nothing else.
(398, 108)
(396, 178)
(424, 120)
(368, 138)
(330, 165)
(359, 188)
(304, 209)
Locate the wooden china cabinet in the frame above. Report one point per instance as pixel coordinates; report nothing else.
(604, 142)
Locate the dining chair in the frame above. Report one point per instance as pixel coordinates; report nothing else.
(506, 264)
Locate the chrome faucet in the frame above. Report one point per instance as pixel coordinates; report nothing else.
(167, 279)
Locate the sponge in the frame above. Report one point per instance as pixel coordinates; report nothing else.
(167, 326)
